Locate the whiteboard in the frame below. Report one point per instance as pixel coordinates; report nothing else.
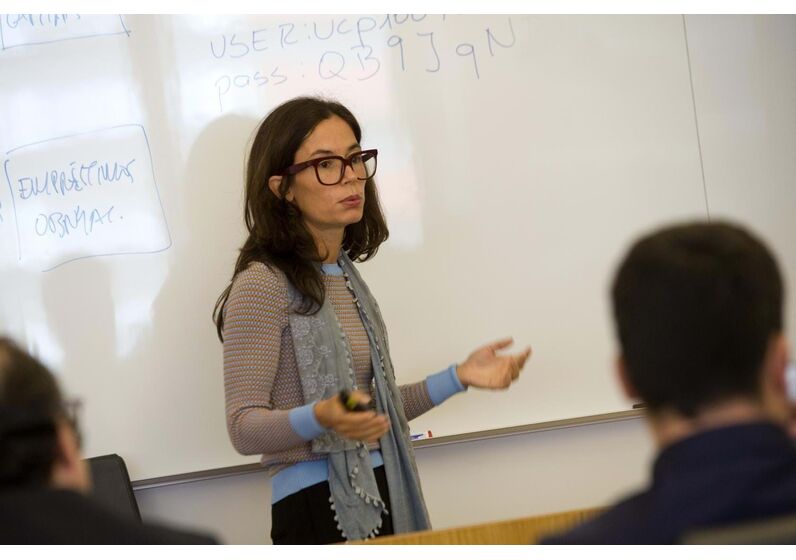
(519, 156)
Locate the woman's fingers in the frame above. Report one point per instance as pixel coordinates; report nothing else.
(500, 344)
(525, 355)
(485, 369)
(370, 434)
(365, 426)
(373, 434)
(361, 421)
(518, 362)
(515, 369)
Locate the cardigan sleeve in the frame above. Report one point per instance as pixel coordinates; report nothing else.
(419, 398)
(255, 316)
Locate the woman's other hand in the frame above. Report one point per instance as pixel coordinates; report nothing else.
(485, 369)
(362, 426)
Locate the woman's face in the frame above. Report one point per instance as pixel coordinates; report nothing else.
(328, 208)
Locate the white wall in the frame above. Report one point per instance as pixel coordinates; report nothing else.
(464, 483)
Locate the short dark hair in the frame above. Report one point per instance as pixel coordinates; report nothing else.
(30, 406)
(695, 307)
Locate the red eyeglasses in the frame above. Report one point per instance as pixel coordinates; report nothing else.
(330, 170)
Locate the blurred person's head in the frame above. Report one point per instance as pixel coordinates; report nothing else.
(698, 310)
(39, 441)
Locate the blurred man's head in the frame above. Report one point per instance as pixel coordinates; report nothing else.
(698, 311)
(38, 440)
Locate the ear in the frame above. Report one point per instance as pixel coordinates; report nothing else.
(775, 365)
(624, 379)
(274, 183)
(69, 471)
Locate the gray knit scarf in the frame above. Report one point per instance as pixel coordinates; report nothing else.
(325, 365)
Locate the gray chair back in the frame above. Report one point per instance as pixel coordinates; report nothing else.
(112, 487)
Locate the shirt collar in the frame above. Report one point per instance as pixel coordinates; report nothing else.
(721, 446)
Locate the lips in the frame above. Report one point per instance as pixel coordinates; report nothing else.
(354, 199)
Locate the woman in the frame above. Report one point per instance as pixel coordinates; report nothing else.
(299, 325)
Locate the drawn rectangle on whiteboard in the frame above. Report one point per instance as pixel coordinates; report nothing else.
(17, 30)
(86, 195)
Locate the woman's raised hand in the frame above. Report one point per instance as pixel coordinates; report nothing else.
(485, 369)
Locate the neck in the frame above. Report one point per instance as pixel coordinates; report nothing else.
(669, 427)
(328, 242)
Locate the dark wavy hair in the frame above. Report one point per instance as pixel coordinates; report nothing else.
(278, 236)
(30, 405)
(696, 306)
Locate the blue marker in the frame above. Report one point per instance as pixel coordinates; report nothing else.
(424, 435)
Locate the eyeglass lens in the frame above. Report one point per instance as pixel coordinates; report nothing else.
(72, 412)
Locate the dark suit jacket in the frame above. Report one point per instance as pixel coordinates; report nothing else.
(49, 516)
(720, 477)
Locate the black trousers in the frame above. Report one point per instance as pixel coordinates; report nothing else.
(307, 518)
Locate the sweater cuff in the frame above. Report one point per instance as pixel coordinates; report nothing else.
(303, 421)
(443, 385)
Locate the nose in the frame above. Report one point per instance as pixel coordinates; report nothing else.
(348, 172)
